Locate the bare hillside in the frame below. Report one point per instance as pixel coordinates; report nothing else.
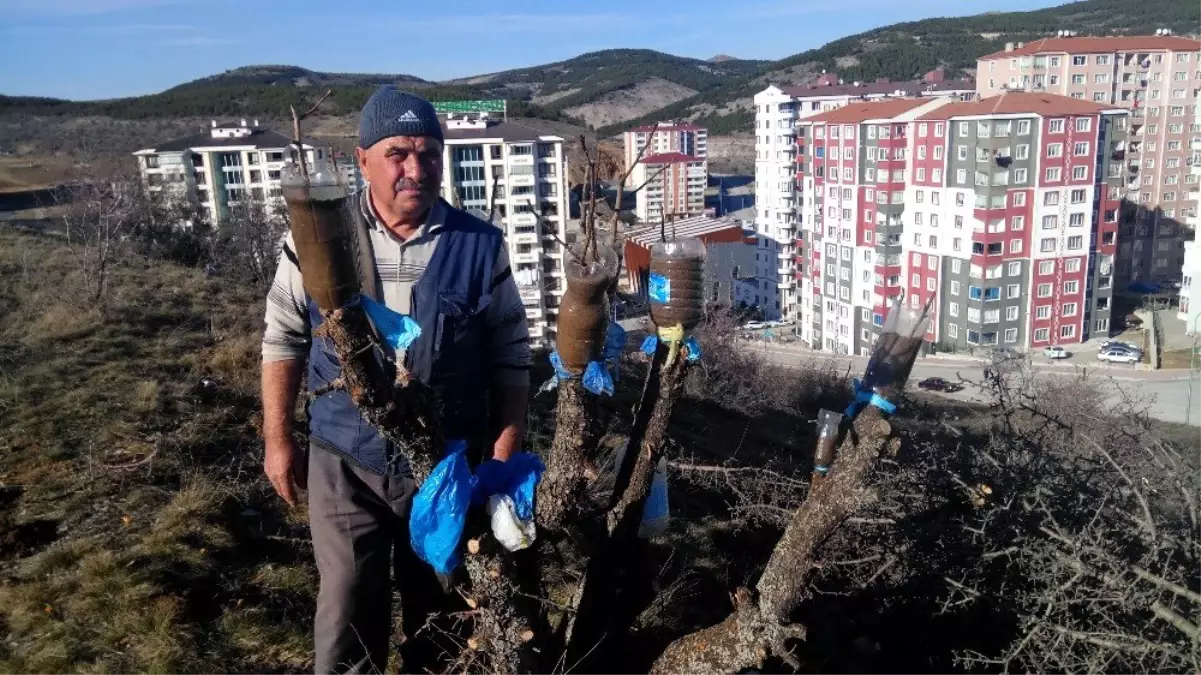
(631, 102)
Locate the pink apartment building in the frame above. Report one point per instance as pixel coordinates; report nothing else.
(1157, 79)
(1002, 209)
(685, 139)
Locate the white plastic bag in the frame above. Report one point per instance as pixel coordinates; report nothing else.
(512, 533)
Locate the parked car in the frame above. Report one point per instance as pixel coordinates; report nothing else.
(939, 384)
(1105, 344)
(1056, 353)
(1005, 353)
(1119, 356)
(754, 325)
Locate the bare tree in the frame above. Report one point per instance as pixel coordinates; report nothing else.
(98, 224)
(245, 242)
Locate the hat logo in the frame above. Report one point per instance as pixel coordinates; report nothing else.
(409, 116)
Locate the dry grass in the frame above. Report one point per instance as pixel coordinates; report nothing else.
(147, 563)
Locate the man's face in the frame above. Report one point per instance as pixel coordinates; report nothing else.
(405, 173)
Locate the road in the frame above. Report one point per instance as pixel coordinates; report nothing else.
(1166, 392)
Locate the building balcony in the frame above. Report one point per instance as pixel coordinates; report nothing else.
(523, 219)
(522, 180)
(534, 312)
(528, 257)
(525, 238)
(537, 331)
(787, 282)
(521, 160)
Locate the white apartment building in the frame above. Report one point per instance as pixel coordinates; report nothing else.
(1189, 309)
(778, 111)
(519, 171)
(674, 186)
(666, 137)
(522, 174)
(225, 165)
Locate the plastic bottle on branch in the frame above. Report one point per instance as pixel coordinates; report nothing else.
(584, 310)
(321, 229)
(827, 437)
(900, 341)
(676, 285)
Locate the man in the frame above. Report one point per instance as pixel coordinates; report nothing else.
(450, 272)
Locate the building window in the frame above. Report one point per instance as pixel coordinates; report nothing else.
(1067, 331)
(1044, 290)
(1041, 334)
(1055, 126)
(1042, 312)
(1015, 245)
(953, 308)
(1017, 223)
(1080, 173)
(1053, 174)
(1012, 291)
(1011, 334)
(1069, 309)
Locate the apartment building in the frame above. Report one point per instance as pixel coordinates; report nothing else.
(225, 165)
(1189, 307)
(665, 138)
(1005, 211)
(521, 174)
(674, 186)
(517, 170)
(1157, 79)
(778, 112)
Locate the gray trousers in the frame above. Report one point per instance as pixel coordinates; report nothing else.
(359, 523)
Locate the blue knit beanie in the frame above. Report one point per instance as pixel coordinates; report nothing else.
(392, 112)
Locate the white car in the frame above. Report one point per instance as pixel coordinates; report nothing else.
(1056, 353)
(1119, 356)
(754, 325)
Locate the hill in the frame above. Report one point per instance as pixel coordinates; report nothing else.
(906, 50)
(612, 89)
(295, 76)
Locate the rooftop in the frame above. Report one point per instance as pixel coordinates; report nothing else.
(670, 126)
(258, 138)
(694, 226)
(884, 88)
(508, 132)
(1100, 45)
(1019, 102)
(670, 158)
(862, 111)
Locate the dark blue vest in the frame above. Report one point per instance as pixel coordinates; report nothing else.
(450, 303)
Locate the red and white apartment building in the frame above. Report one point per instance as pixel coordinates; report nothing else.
(674, 169)
(1004, 210)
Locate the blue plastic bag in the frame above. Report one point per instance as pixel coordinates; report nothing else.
(439, 510)
(656, 513)
(649, 345)
(615, 341)
(597, 379)
(398, 330)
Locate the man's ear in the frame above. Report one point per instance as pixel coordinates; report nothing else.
(360, 156)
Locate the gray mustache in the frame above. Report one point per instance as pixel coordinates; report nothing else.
(410, 184)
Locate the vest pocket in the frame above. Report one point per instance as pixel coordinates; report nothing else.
(461, 323)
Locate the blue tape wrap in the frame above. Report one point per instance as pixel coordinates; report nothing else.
(694, 349)
(865, 396)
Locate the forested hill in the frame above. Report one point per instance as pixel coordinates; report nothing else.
(907, 50)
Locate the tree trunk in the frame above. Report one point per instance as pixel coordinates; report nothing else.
(758, 630)
(561, 492)
(607, 580)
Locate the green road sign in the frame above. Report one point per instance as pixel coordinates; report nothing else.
(495, 105)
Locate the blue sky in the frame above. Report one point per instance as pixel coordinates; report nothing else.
(87, 49)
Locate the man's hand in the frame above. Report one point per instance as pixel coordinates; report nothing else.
(285, 467)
